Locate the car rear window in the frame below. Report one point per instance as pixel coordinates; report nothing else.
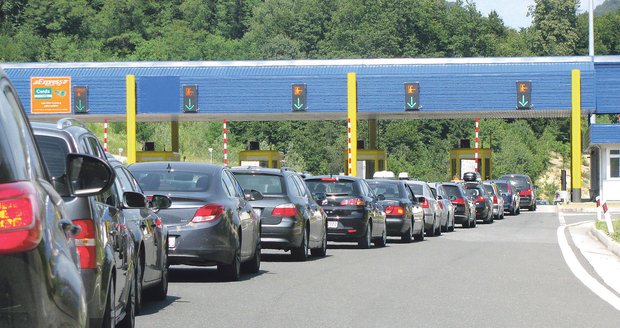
(388, 190)
(54, 151)
(519, 182)
(503, 187)
(418, 190)
(340, 187)
(267, 184)
(489, 189)
(474, 191)
(452, 191)
(183, 181)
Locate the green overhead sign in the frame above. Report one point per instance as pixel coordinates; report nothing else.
(524, 95)
(299, 98)
(412, 96)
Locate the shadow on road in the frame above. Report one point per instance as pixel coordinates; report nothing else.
(155, 306)
(287, 257)
(203, 274)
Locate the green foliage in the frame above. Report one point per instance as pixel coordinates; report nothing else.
(555, 27)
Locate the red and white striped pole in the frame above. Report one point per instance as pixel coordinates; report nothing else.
(349, 147)
(105, 134)
(607, 215)
(225, 145)
(476, 144)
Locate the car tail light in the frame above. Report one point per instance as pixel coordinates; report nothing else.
(352, 202)
(494, 199)
(480, 199)
(159, 223)
(284, 210)
(526, 192)
(86, 244)
(329, 179)
(20, 230)
(459, 201)
(440, 205)
(207, 213)
(425, 203)
(395, 210)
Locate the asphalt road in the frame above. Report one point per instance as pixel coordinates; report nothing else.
(507, 274)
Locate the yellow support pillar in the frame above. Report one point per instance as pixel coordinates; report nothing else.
(352, 123)
(174, 135)
(576, 136)
(131, 118)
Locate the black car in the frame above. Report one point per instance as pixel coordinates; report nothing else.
(108, 244)
(484, 204)
(211, 221)
(403, 214)
(152, 260)
(40, 276)
(352, 208)
(464, 207)
(527, 192)
(290, 217)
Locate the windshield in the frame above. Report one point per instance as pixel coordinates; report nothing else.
(173, 180)
(267, 184)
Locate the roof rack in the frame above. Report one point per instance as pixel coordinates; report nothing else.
(64, 123)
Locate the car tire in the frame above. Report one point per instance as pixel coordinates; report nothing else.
(232, 271)
(533, 208)
(160, 291)
(452, 226)
(129, 321)
(513, 211)
(301, 253)
(407, 236)
(420, 235)
(518, 210)
(364, 242)
(466, 223)
(321, 252)
(474, 222)
(381, 241)
(431, 231)
(438, 230)
(253, 265)
(108, 313)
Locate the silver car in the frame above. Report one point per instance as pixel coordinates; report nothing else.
(445, 205)
(432, 220)
(498, 201)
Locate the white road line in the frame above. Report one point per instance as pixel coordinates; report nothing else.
(581, 273)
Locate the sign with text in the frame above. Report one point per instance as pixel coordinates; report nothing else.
(50, 95)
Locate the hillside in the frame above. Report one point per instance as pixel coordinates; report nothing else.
(606, 7)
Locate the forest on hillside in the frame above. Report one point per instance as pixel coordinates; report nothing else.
(165, 30)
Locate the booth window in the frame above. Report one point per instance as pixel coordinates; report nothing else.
(614, 163)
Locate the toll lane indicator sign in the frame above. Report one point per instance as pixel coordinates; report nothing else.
(299, 98)
(80, 99)
(190, 98)
(524, 95)
(412, 96)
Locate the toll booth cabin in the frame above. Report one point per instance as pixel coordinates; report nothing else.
(263, 158)
(369, 161)
(464, 160)
(148, 154)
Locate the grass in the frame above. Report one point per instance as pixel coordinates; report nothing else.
(601, 225)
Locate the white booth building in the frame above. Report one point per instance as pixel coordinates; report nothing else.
(604, 151)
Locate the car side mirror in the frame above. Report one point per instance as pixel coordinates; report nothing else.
(88, 175)
(133, 199)
(253, 195)
(160, 202)
(421, 199)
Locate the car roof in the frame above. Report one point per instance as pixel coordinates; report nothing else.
(185, 166)
(337, 177)
(258, 169)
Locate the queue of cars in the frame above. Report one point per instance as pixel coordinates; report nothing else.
(85, 238)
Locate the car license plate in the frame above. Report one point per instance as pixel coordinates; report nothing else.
(172, 241)
(257, 211)
(332, 224)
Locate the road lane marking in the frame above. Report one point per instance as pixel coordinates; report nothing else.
(573, 264)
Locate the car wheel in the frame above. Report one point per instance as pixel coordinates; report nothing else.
(452, 226)
(139, 271)
(129, 321)
(474, 222)
(438, 229)
(518, 210)
(381, 241)
(420, 235)
(253, 265)
(160, 291)
(407, 236)
(301, 253)
(431, 231)
(533, 208)
(321, 252)
(364, 242)
(447, 226)
(466, 223)
(108, 314)
(232, 271)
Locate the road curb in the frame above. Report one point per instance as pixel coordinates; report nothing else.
(611, 245)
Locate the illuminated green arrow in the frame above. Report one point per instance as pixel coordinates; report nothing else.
(189, 105)
(411, 103)
(79, 107)
(298, 105)
(523, 102)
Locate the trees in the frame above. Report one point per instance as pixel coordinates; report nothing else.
(555, 27)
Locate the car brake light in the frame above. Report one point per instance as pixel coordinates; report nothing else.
(526, 192)
(459, 201)
(480, 199)
(159, 223)
(86, 244)
(19, 228)
(207, 213)
(352, 202)
(425, 203)
(494, 199)
(284, 210)
(440, 205)
(395, 210)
